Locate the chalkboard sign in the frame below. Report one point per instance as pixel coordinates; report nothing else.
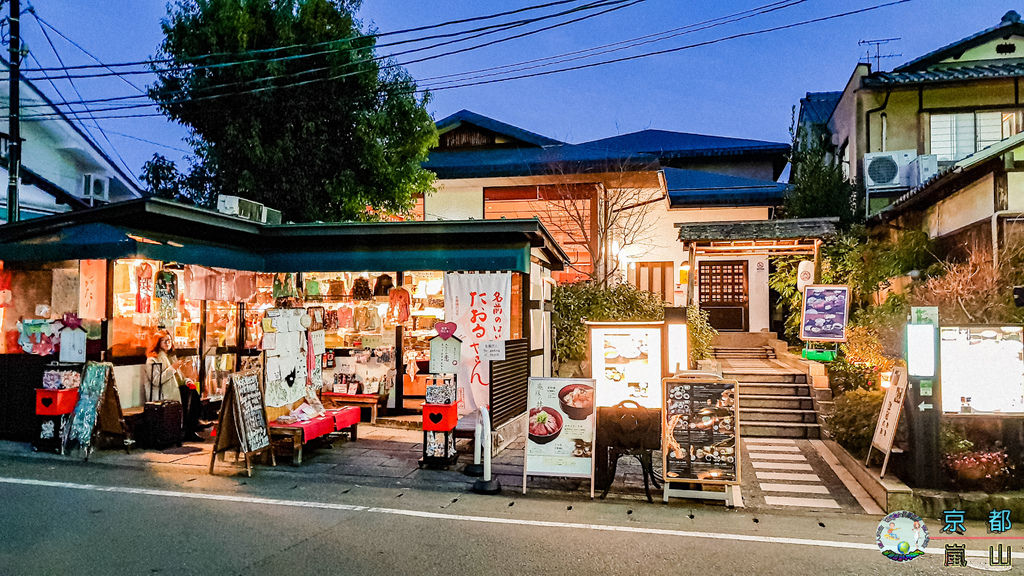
(701, 436)
(243, 419)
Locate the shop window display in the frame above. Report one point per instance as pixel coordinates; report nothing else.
(34, 304)
(147, 298)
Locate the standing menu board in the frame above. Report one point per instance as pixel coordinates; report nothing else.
(626, 359)
(701, 429)
(824, 314)
(889, 417)
(243, 419)
(560, 429)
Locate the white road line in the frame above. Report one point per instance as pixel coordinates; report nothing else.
(787, 476)
(802, 502)
(764, 456)
(851, 483)
(776, 441)
(782, 465)
(801, 488)
(771, 448)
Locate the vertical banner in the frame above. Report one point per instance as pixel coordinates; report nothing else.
(92, 296)
(479, 306)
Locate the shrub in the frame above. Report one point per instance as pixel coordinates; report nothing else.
(852, 424)
(953, 440)
(844, 377)
(985, 471)
(702, 335)
(574, 303)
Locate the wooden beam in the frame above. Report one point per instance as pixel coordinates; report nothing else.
(691, 275)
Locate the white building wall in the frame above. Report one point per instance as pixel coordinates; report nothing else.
(454, 203)
(974, 203)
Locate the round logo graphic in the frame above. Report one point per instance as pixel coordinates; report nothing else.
(902, 536)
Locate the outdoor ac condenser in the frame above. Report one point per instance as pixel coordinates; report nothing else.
(236, 206)
(920, 170)
(887, 169)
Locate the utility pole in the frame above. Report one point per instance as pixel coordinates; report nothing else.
(13, 116)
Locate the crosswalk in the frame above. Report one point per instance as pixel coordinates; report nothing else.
(782, 471)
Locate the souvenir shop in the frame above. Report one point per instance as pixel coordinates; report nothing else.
(336, 308)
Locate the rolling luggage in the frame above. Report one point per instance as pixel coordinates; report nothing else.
(161, 418)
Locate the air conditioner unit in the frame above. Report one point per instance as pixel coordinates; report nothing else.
(95, 187)
(271, 216)
(237, 206)
(920, 170)
(886, 169)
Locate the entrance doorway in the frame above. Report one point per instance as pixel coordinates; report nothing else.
(722, 287)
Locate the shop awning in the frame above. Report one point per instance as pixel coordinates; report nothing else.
(171, 232)
(771, 237)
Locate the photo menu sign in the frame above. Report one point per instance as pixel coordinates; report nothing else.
(626, 359)
(701, 441)
(560, 428)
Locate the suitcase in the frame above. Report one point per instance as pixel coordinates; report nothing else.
(161, 419)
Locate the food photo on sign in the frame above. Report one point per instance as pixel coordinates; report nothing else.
(824, 313)
(700, 438)
(560, 434)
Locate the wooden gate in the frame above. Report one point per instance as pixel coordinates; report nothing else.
(723, 294)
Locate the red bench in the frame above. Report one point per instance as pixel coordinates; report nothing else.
(301, 433)
(372, 401)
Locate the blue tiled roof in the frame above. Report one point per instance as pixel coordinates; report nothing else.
(817, 107)
(693, 187)
(502, 162)
(1009, 24)
(468, 117)
(950, 73)
(666, 144)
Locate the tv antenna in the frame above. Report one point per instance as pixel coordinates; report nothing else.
(878, 56)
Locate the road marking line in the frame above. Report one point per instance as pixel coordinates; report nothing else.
(802, 488)
(771, 448)
(769, 441)
(782, 465)
(863, 498)
(802, 502)
(788, 476)
(461, 517)
(765, 456)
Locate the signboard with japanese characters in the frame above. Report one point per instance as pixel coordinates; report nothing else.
(493, 350)
(889, 416)
(701, 430)
(479, 306)
(560, 433)
(445, 354)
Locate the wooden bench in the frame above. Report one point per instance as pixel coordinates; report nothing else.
(301, 433)
(372, 401)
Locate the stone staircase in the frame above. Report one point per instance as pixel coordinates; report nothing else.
(775, 401)
(734, 353)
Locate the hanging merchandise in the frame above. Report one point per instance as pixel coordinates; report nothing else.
(361, 289)
(345, 316)
(144, 292)
(245, 285)
(383, 285)
(312, 288)
(337, 287)
(167, 291)
(36, 337)
(92, 284)
(6, 296)
(284, 286)
(366, 319)
(221, 285)
(195, 282)
(398, 304)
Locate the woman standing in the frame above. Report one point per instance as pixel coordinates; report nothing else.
(174, 386)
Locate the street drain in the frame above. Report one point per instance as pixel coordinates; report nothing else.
(822, 524)
(690, 516)
(511, 504)
(628, 512)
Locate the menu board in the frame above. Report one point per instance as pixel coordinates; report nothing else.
(824, 313)
(445, 354)
(250, 417)
(701, 430)
(560, 434)
(889, 415)
(982, 368)
(626, 361)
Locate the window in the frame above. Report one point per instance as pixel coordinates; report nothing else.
(956, 136)
(653, 277)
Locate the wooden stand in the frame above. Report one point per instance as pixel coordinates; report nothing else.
(242, 426)
(731, 496)
(442, 462)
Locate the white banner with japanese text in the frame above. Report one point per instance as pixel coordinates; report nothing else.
(479, 306)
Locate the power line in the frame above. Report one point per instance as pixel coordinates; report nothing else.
(616, 5)
(329, 42)
(169, 147)
(475, 33)
(556, 71)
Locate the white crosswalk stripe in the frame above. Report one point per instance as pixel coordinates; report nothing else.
(775, 441)
(772, 448)
(788, 476)
(801, 502)
(800, 488)
(798, 485)
(782, 465)
(763, 456)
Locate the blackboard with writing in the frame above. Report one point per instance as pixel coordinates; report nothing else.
(701, 430)
(242, 425)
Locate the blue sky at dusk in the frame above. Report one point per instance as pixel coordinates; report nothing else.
(743, 88)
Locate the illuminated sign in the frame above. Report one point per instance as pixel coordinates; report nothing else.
(626, 362)
(921, 350)
(982, 369)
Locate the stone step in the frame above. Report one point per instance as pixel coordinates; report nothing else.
(774, 389)
(778, 415)
(776, 401)
(780, 430)
(765, 376)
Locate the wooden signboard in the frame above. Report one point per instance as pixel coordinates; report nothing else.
(242, 424)
(889, 417)
(701, 436)
(98, 410)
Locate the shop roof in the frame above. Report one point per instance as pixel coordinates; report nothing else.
(551, 160)
(744, 230)
(169, 231)
(697, 188)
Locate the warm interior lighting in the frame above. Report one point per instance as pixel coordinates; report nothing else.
(886, 379)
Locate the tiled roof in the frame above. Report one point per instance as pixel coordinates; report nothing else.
(694, 187)
(667, 144)
(1009, 24)
(817, 107)
(792, 229)
(468, 117)
(947, 73)
(505, 162)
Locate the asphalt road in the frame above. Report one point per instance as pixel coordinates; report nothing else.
(70, 518)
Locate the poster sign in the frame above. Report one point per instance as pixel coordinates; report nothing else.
(560, 433)
(493, 350)
(445, 355)
(479, 305)
(626, 360)
(92, 295)
(824, 313)
(889, 416)
(243, 419)
(701, 430)
(982, 369)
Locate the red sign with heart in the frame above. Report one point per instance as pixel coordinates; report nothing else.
(445, 329)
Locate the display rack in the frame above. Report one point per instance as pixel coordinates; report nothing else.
(53, 409)
(440, 418)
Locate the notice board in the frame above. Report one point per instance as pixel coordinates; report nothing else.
(701, 430)
(243, 419)
(889, 416)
